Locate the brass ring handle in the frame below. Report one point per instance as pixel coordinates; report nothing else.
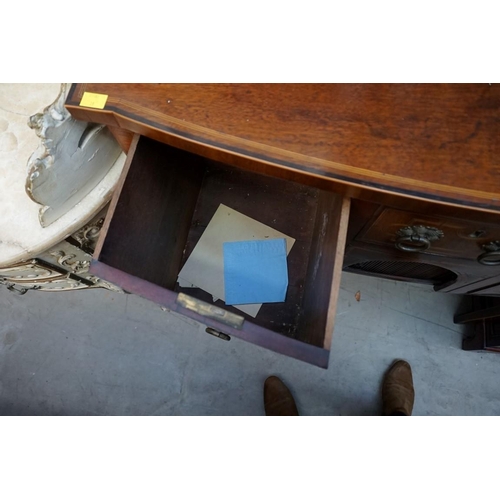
(491, 257)
(418, 243)
(417, 238)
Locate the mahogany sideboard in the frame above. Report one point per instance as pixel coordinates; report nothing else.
(398, 181)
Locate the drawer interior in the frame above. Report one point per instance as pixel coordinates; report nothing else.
(167, 200)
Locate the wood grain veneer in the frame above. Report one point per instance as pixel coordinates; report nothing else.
(438, 142)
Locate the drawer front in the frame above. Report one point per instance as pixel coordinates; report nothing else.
(446, 236)
(163, 203)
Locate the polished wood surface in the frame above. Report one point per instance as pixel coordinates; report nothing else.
(123, 136)
(436, 142)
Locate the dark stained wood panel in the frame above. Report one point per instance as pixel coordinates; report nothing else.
(150, 223)
(327, 251)
(433, 141)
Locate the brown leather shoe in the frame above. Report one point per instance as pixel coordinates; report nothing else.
(398, 394)
(278, 400)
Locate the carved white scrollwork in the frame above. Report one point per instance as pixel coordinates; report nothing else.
(71, 262)
(72, 159)
(87, 236)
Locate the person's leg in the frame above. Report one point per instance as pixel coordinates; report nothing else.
(278, 400)
(398, 394)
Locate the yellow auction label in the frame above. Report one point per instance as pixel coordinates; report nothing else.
(91, 100)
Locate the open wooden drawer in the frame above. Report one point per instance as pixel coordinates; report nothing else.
(164, 201)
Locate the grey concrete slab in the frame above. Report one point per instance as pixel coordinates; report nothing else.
(96, 352)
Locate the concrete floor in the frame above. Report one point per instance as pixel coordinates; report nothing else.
(95, 352)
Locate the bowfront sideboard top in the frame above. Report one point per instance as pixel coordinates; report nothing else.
(436, 142)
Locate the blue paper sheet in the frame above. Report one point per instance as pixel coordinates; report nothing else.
(255, 271)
